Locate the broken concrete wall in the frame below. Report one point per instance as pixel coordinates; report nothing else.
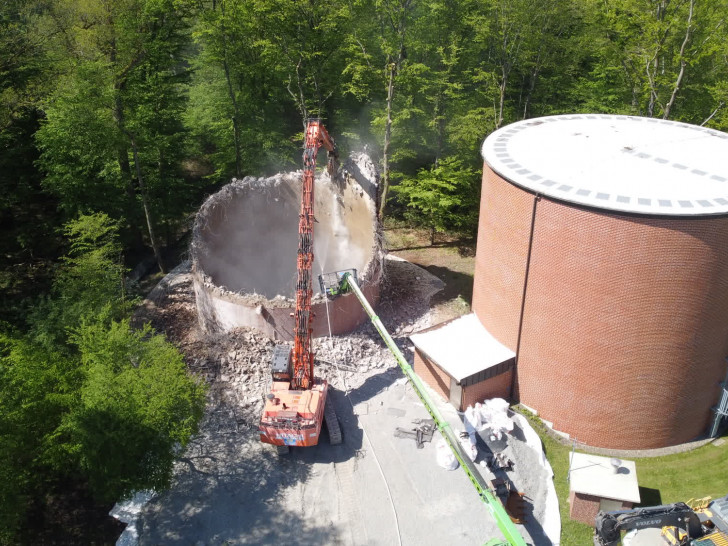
(245, 243)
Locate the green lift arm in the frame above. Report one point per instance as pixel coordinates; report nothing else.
(346, 281)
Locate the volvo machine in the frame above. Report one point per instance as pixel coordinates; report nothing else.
(706, 525)
(297, 405)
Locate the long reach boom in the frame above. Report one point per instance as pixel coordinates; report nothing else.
(297, 405)
(346, 281)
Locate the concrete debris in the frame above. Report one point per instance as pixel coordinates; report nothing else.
(445, 457)
(493, 414)
(236, 364)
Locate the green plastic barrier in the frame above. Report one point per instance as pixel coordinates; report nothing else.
(507, 527)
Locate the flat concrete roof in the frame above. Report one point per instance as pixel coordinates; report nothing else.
(462, 347)
(621, 163)
(594, 475)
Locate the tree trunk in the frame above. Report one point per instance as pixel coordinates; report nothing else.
(235, 120)
(400, 27)
(683, 62)
(299, 99)
(145, 203)
(532, 83)
(502, 97)
(440, 123)
(231, 94)
(122, 153)
(387, 141)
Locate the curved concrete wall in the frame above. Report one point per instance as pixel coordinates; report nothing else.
(623, 319)
(221, 311)
(245, 242)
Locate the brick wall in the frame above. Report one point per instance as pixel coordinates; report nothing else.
(584, 508)
(432, 375)
(500, 259)
(495, 387)
(625, 326)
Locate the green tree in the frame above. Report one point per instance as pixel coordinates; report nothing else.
(78, 141)
(662, 57)
(82, 395)
(240, 113)
(114, 125)
(138, 409)
(27, 214)
(37, 387)
(394, 22)
(88, 284)
(443, 198)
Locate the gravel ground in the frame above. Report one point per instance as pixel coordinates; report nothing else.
(373, 489)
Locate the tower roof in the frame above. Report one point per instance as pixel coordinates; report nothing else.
(622, 163)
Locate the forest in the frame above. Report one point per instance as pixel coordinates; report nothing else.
(117, 117)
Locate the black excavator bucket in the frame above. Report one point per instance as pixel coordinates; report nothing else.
(335, 284)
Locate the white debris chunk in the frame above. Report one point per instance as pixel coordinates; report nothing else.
(445, 458)
(128, 512)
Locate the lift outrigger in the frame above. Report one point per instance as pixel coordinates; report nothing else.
(345, 281)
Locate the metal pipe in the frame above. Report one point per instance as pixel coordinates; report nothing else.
(721, 410)
(514, 375)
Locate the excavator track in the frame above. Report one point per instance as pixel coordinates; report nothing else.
(332, 422)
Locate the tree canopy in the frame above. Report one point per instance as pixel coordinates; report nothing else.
(137, 108)
(116, 118)
(82, 394)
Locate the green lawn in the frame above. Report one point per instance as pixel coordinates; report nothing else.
(695, 474)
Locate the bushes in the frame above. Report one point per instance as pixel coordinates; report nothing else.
(82, 394)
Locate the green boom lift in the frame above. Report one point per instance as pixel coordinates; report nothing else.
(343, 282)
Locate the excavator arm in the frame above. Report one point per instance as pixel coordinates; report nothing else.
(609, 525)
(298, 404)
(303, 355)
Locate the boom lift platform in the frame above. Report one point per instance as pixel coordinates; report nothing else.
(297, 405)
(343, 282)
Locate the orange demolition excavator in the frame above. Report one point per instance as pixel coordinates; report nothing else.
(298, 403)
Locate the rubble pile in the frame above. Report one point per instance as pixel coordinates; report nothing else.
(236, 364)
(405, 303)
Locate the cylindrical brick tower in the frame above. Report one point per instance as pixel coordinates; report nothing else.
(602, 261)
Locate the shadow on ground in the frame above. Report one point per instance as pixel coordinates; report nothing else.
(650, 497)
(231, 489)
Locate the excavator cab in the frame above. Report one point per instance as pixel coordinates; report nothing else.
(281, 363)
(337, 283)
